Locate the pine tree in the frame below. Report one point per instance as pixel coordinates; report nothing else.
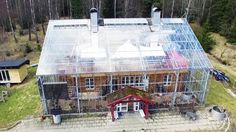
(232, 36)
(108, 10)
(205, 39)
(217, 11)
(227, 18)
(76, 8)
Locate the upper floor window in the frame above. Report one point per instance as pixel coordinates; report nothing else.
(132, 80)
(89, 83)
(4, 75)
(167, 80)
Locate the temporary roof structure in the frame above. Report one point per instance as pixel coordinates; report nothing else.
(120, 45)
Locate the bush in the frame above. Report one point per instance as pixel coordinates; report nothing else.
(8, 53)
(28, 49)
(21, 32)
(39, 48)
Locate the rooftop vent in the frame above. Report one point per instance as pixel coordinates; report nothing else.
(156, 16)
(94, 20)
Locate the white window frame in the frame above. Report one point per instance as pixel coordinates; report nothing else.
(91, 83)
(167, 80)
(122, 107)
(132, 80)
(7, 77)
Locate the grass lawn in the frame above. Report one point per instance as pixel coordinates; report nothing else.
(218, 96)
(23, 101)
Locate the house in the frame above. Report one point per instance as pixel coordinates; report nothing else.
(121, 65)
(13, 71)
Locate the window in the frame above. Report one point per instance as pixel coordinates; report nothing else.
(4, 75)
(167, 80)
(132, 80)
(89, 83)
(160, 88)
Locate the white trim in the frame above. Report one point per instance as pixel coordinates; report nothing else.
(136, 106)
(132, 80)
(7, 77)
(91, 83)
(168, 80)
(122, 107)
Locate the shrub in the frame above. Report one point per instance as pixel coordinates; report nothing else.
(8, 53)
(21, 32)
(28, 49)
(39, 48)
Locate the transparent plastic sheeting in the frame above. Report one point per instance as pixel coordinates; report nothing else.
(71, 48)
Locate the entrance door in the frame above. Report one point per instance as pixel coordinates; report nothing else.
(122, 107)
(136, 106)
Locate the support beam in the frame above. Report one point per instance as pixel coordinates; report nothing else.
(205, 87)
(112, 113)
(176, 86)
(146, 110)
(77, 92)
(45, 106)
(110, 83)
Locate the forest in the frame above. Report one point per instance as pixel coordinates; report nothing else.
(30, 16)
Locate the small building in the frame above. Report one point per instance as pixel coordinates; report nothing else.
(13, 71)
(121, 65)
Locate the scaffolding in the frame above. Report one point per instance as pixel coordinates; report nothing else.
(78, 68)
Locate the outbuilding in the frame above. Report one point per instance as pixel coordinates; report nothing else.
(13, 71)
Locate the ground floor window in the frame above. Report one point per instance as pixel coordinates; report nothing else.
(89, 83)
(4, 75)
(122, 107)
(160, 88)
(167, 80)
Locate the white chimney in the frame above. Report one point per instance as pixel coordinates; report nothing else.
(156, 16)
(94, 20)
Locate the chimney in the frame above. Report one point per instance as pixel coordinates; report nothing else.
(156, 16)
(94, 20)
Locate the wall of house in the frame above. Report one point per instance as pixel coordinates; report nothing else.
(154, 79)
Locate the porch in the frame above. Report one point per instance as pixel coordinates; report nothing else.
(129, 99)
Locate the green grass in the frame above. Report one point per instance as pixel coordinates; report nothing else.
(218, 96)
(23, 101)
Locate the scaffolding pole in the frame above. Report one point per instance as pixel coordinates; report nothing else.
(176, 86)
(77, 92)
(43, 97)
(110, 83)
(205, 86)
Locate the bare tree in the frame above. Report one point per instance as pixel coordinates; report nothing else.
(172, 8)
(189, 4)
(33, 19)
(114, 8)
(49, 9)
(203, 8)
(10, 21)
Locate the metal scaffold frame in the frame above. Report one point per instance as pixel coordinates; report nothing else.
(120, 49)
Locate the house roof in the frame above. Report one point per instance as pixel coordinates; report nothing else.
(12, 64)
(120, 45)
(126, 93)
